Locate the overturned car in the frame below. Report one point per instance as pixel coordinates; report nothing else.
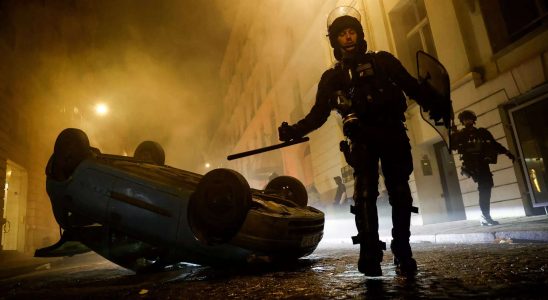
(144, 215)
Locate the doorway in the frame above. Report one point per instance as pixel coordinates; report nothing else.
(14, 208)
(529, 123)
(450, 183)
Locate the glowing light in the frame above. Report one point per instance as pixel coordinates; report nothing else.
(533, 176)
(101, 109)
(207, 165)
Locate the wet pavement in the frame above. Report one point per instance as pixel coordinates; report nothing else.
(498, 270)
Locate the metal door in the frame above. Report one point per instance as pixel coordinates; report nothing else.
(450, 183)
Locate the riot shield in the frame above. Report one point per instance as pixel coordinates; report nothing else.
(432, 72)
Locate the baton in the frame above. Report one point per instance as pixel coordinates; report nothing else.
(268, 148)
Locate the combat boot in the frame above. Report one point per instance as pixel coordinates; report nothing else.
(370, 259)
(405, 264)
(488, 221)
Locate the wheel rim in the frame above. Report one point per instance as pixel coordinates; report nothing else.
(289, 188)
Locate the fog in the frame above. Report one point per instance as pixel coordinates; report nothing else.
(154, 63)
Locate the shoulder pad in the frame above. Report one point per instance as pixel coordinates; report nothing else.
(384, 54)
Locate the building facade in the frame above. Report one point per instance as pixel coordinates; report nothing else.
(494, 51)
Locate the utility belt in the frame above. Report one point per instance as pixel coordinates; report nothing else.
(354, 124)
(357, 131)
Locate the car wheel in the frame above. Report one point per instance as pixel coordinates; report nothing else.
(289, 188)
(71, 148)
(219, 205)
(150, 151)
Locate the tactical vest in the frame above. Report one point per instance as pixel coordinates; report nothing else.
(475, 147)
(369, 92)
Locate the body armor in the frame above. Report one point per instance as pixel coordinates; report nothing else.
(366, 96)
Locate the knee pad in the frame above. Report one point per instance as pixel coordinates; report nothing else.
(365, 194)
(400, 195)
(366, 186)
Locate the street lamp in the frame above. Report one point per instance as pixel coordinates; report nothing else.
(101, 109)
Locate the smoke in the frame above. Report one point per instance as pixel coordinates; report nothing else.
(154, 63)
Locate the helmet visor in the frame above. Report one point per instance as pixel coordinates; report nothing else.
(342, 11)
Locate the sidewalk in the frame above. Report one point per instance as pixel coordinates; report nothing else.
(13, 263)
(517, 229)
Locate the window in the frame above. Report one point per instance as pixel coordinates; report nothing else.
(412, 32)
(266, 136)
(268, 80)
(290, 45)
(274, 127)
(258, 99)
(508, 20)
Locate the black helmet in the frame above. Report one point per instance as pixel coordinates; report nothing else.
(339, 19)
(467, 115)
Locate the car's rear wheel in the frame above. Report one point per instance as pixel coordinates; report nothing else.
(71, 148)
(150, 151)
(219, 205)
(289, 188)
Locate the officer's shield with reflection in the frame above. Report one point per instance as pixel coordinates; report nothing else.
(432, 72)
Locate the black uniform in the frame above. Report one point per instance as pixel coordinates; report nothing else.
(374, 83)
(478, 149)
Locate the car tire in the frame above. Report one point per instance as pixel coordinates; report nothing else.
(289, 188)
(71, 148)
(219, 205)
(150, 151)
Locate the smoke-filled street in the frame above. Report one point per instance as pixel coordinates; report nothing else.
(230, 149)
(155, 76)
(487, 271)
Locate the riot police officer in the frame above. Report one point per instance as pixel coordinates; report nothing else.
(478, 149)
(366, 89)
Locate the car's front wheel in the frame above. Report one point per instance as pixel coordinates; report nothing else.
(219, 205)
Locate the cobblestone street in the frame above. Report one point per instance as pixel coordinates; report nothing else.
(507, 271)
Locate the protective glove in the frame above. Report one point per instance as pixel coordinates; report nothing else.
(511, 156)
(439, 110)
(287, 132)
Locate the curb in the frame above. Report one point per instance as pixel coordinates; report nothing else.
(481, 237)
(536, 236)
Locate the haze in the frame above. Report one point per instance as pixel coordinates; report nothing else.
(153, 63)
